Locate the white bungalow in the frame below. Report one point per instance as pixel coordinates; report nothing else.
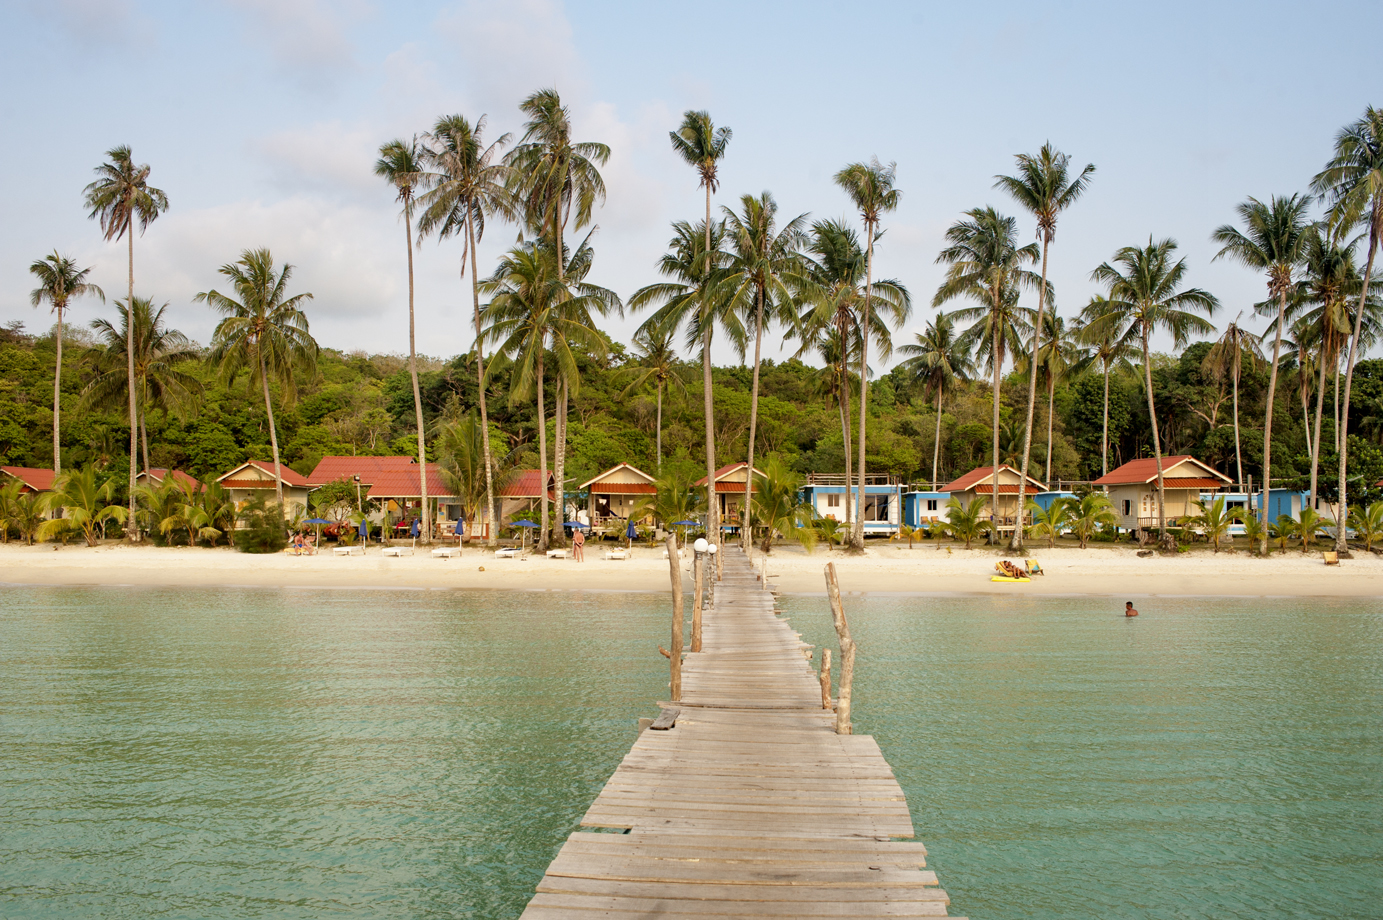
(1132, 489)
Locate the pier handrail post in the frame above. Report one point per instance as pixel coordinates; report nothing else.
(674, 564)
(847, 652)
(699, 586)
(826, 678)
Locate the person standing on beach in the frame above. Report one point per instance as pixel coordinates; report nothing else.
(1128, 609)
(578, 544)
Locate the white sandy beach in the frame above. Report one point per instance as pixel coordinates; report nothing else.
(925, 569)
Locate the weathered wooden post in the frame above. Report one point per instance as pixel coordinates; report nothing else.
(676, 655)
(825, 678)
(699, 584)
(847, 652)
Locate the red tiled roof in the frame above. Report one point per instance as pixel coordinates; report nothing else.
(527, 484)
(618, 466)
(330, 469)
(404, 484)
(158, 474)
(35, 479)
(1138, 472)
(624, 488)
(987, 489)
(981, 473)
(727, 470)
(290, 477)
(734, 488)
(1191, 482)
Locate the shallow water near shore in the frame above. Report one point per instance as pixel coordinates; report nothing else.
(306, 754)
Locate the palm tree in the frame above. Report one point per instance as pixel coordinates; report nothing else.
(59, 280)
(657, 363)
(465, 185)
(674, 498)
(835, 318)
(967, 522)
(1226, 358)
(987, 267)
(1281, 530)
(120, 196)
(695, 296)
(159, 383)
(1144, 296)
(461, 450)
(532, 311)
(1353, 181)
(1276, 244)
(763, 272)
(1050, 521)
(1214, 521)
(702, 146)
(400, 163)
(870, 187)
(938, 362)
(1368, 524)
(779, 508)
(1308, 525)
(1111, 349)
(1045, 188)
(85, 503)
(1087, 515)
(1058, 357)
(265, 332)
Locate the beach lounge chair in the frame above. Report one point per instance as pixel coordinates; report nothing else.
(354, 549)
(556, 554)
(397, 551)
(1035, 567)
(446, 552)
(509, 552)
(1331, 558)
(617, 554)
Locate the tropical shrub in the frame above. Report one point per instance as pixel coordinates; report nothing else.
(86, 503)
(1049, 522)
(1309, 526)
(1214, 520)
(1092, 517)
(779, 509)
(264, 530)
(968, 522)
(1368, 523)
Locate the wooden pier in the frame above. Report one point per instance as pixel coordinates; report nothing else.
(750, 804)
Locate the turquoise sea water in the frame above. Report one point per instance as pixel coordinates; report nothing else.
(420, 754)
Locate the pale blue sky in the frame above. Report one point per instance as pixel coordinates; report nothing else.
(261, 119)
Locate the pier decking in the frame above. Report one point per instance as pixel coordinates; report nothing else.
(750, 805)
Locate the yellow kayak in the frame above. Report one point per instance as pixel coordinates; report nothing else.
(1007, 578)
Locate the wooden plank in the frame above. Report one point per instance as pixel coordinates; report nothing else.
(666, 719)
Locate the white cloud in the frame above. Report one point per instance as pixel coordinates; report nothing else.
(327, 156)
(307, 38)
(94, 24)
(506, 51)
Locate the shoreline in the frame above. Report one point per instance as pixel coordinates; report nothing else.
(884, 570)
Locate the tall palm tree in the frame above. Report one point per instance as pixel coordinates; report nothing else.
(1045, 188)
(1146, 295)
(533, 313)
(120, 197)
(400, 163)
(1226, 359)
(870, 187)
(702, 146)
(1353, 182)
(461, 451)
(1059, 356)
(1109, 347)
(158, 352)
(265, 332)
(836, 312)
(986, 266)
(556, 179)
(695, 296)
(656, 363)
(59, 280)
(465, 184)
(938, 362)
(1275, 243)
(763, 273)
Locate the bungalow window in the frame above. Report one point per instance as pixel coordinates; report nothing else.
(931, 504)
(1128, 507)
(832, 501)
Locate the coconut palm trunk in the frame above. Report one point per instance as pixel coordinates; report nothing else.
(417, 394)
(542, 455)
(1016, 541)
(1341, 536)
(1104, 430)
(936, 446)
(994, 469)
(712, 506)
(559, 459)
(57, 396)
(129, 353)
(1316, 438)
(273, 432)
(845, 438)
(857, 540)
(1238, 451)
(1157, 442)
(1051, 409)
(660, 425)
(491, 524)
(1268, 420)
(745, 539)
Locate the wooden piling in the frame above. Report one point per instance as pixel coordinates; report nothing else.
(698, 579)
(676, 653)
(825, 678)
(847, 651)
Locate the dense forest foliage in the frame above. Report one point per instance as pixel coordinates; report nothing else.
(362, 404)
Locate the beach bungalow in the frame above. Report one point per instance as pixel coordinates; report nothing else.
(615, 492)
(520, 494)
(1132, 488)
(399, 495)
(982, 482)
(924, 506)
(33, 479)
(883, 500)
(157, 475)
(730, 493)
(255, 477)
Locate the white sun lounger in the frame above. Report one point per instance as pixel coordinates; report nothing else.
(398, 551)
(354, 549)
(556, 554)
(509, 552)
(617, 554)
(446, 552)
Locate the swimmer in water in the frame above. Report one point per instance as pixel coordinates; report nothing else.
(1128, 609)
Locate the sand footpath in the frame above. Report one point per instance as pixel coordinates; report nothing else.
(885, 569)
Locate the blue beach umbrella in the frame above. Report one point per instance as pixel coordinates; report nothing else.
(525, 524)
(415, 529)
(365, 528)
(578, 524)
(319, 522)
(631, 531)
(685, 523)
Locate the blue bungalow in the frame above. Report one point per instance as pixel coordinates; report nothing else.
(924, 507)
(1045, 500)
(883, 500)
